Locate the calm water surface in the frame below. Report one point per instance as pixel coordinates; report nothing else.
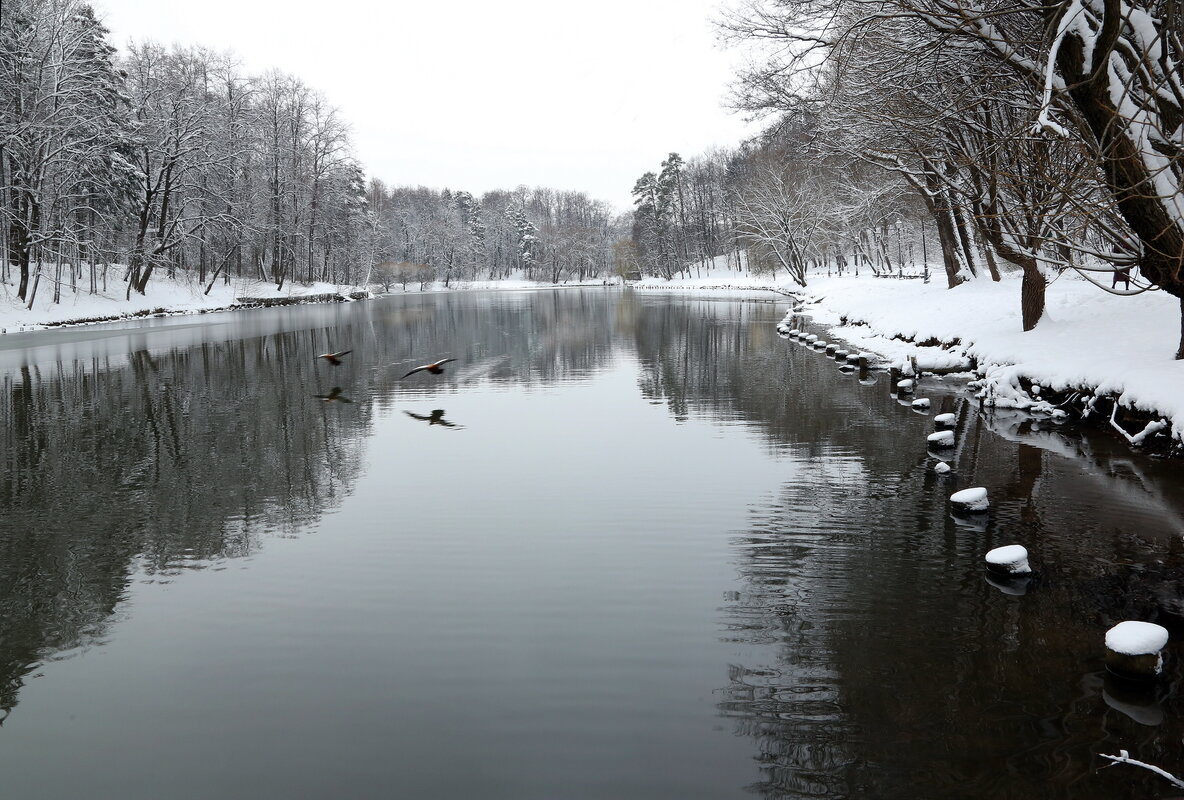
(628, 546)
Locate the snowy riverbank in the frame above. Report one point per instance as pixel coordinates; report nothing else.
(184, 296)
(163, 295)
(1089, 341)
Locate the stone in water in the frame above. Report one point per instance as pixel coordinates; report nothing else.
(941, 439)
(972, 500)
(1009, 560)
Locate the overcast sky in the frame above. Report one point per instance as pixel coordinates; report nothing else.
(481, 94)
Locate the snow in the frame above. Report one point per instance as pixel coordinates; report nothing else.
(1012, 558)
(905, 386)
(1133, 638)
(945, 419)
(941, 468)
(971, 499)
(921, 402)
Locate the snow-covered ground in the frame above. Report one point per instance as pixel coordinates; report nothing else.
(720, 272)
(1088, 339)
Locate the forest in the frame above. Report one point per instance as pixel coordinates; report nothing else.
(115, 167)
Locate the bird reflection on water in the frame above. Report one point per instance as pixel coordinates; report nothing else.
(435, 418)
(334, 396)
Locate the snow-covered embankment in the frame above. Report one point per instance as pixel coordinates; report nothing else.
(1092, 353)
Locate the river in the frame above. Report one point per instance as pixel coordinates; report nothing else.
(628, 545)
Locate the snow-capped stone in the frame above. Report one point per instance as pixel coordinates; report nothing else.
(831, 348)
(941, 468)
(945, 420)
(1133, 648)
(1035, 390)
(813, 337)
(840, 355)
(941, 439)
(905, 386)
(974, 499)
(818, 344)
(1011, 559)
(1134, 638)
(921, 402)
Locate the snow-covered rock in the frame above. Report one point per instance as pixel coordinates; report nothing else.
(941, 468)
(945, 420)
(905, 386)
(1133, 648)
(973, 500)
(1133, 638)
(1011, 559)
(921, 403)
(941, 439)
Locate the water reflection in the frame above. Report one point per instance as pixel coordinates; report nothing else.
(435, 418)
(334, 396)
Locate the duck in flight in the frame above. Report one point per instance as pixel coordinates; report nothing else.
(334, 358)
(435, 368)
(334, 396)
(437, 418)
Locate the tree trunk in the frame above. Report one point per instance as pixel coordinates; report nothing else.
(1180, 349)
(1032, 296)
(964, 237)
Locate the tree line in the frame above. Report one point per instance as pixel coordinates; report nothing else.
(1007, 135)
(116, 167)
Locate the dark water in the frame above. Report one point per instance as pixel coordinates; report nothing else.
(628, 546)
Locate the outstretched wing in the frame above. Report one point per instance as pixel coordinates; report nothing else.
(417, 369)
(418, 416)
(442, 362)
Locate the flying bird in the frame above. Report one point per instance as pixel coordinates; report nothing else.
(437, 418)
(434, 368)
(334, 358)
(334, 395)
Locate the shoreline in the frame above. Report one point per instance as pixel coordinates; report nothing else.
(179, 300)
(1094, 358)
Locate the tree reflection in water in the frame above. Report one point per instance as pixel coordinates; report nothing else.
(171, 448)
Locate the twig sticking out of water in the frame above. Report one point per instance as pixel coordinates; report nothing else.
(1124, 757)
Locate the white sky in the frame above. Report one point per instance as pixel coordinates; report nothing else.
(483, 94)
